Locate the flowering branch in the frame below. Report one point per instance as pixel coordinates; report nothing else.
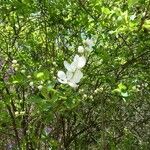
(73, 74)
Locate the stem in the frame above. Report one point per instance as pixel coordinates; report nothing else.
(14, 125)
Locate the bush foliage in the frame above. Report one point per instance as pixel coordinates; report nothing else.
(109, 110)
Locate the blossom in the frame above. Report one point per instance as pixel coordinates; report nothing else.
(76, 77)
(73, 74)
(80, 49)
(78, 63)
(132, 17)
(89, 43)
(70, 78)
(62, 77)
(70, 67)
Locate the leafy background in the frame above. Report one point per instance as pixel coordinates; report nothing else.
(109, 110)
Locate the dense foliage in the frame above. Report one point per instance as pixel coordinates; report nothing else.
(109, 110)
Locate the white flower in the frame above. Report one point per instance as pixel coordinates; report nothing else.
(62, 77)
(70, 78)
(78, 63)
(132, 17)
(77, 76)
(73, 75)
(80, 49)
(89, 42)
(70, 67)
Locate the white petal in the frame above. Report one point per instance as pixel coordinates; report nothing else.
(62, 81)
(76, 58)
(73, 66)
(67, 65)
(69, 75)
(76, 77)
(81, 62)
(89, 43)
(61, 75)
(70, 67)
(74, 85)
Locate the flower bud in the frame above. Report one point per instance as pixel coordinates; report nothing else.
(80, 49)
(91, 97)
(40, 87)
(54, 77)
(54, 63)
(31, 83)
(28, 76)
(23, 71)
(14, 61)
(16, 68)
(96, 91)
(84, 96)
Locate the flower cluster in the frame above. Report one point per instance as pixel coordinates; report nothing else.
(73, 74)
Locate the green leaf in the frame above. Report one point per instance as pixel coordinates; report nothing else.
(1, 84)
(45, 93)
(146, 24)
(132, 2)
(105, 10)
(122, 87)
(40, 75)
(18, 79)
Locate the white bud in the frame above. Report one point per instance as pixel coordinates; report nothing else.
(91, 97)
(89, 43)
(17, 65)
(31, 83)
(96, 91)
(13, 65)
(81, 90)
(80, 49)
(23, 71)
(28, 76)
(41, 82)
(52, 71)
(14, 61)
(54, 77)
(85, 96)
(40, 87)
(16, 69)
(54, 63)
